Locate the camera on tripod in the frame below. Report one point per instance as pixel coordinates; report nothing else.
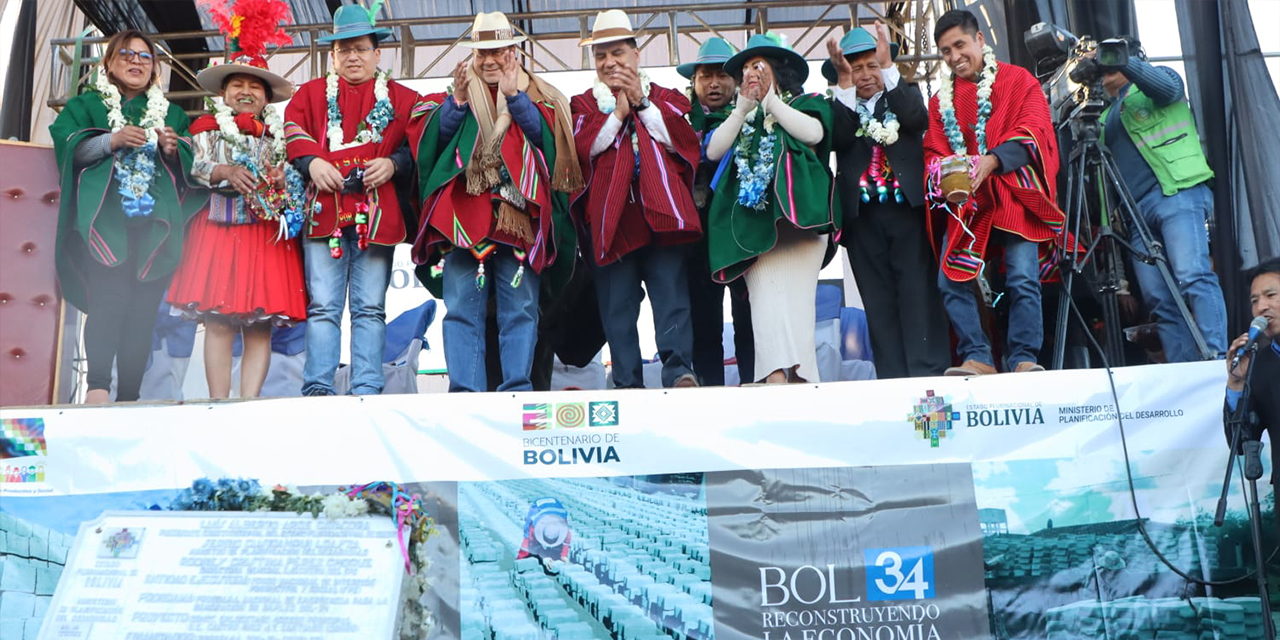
(1078, 65)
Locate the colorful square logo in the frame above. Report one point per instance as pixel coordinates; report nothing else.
(604, 414)
(932, 417)
(22, 437)
(536, 416)
(571, 415)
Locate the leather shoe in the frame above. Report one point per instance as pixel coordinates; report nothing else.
(970, 368)
(1024, 367)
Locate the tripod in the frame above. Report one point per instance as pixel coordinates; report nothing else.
(1090, 158)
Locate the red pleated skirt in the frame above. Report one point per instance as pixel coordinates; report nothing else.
(239, 271)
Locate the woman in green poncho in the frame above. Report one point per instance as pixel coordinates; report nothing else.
(773, 203)
(123, 153)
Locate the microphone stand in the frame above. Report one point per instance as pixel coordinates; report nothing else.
(1252, 462)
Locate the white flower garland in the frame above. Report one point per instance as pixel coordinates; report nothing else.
(230, 132)
(605, 99)
(883, 133)
(376, 121)
(946, 104)
(135, 168)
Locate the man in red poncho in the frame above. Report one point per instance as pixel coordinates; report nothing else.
(346, 135)
(995, 116)
(638, 157)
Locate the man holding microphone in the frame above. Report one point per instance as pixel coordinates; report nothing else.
(1264, 399)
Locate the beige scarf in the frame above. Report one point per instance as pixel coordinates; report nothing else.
(494, 119)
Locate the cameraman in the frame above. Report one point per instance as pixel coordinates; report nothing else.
(1152, 138)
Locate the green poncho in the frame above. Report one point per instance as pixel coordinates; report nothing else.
(92, 226)
(802, 194)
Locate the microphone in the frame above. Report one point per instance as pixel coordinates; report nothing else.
(1256, 328)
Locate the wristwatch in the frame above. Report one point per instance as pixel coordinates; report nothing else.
(644, 104)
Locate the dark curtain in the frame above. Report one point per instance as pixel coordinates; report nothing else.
(1238, 113)
(15, 118)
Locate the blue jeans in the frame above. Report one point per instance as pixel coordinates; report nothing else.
(1022, 286)
(464, 321)
(618, 289)
(366, 275)
(1178, 221)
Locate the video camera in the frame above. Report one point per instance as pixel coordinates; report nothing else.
(1079, 63)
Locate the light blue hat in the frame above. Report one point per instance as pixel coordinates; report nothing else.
(856, 41)
(353, 21)
(767, 44)
(715, 50)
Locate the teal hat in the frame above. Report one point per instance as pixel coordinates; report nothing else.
(856, 41)
(714, 51)
(353, 21)
(767, 44)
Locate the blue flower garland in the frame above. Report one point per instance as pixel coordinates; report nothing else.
(755, 171)
(135, 170)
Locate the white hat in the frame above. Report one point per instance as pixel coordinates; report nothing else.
(492, 31)
(610, 26)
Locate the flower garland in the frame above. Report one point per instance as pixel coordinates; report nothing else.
(885, 133)
(755, 173)
(270, 202)
(135, 167)
(377, 119)
(947, 105)
(607, 102)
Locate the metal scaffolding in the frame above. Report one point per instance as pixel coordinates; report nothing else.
(909, 21)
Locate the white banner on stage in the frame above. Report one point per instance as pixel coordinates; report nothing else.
(328, 440)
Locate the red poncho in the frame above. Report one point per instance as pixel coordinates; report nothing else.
(1019, 202)
(306, 132)
(663, 214)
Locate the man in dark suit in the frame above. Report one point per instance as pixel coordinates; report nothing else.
(1264, 398)
(880, 123)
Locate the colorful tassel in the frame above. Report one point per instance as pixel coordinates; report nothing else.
(362, 225)
(519, 277)
(335, 244)
(437, 269)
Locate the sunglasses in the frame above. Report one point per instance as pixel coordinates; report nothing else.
(136, 56)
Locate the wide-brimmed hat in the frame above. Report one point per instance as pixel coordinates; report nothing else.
(856, 41)
(714, 51)
(611, 26)
(353, 21)
(771, 45)
(492, 31)
(211, 79)
(249, 26)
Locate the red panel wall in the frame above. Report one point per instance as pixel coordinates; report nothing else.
(30, 302)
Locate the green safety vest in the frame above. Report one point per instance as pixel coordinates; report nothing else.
(1166, 137)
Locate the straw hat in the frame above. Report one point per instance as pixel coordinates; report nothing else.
(611, 26)
(492, 31)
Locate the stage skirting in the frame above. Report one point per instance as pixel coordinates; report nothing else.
(924, 508)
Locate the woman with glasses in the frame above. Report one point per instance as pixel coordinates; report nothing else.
(123, 154)
(772, 210)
